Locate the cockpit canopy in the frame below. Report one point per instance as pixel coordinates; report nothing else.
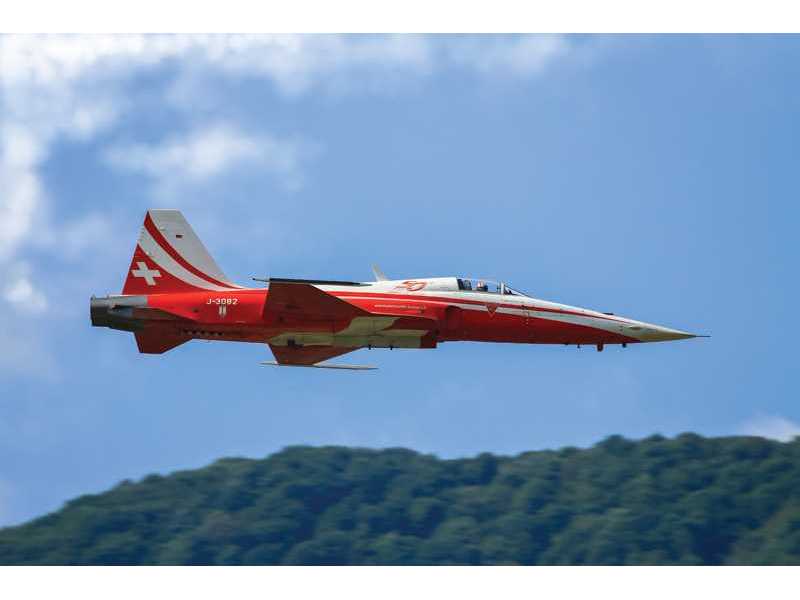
(486, 285)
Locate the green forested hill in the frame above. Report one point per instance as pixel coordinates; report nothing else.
(688, 500)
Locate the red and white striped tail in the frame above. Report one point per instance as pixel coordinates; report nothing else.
(169, 257)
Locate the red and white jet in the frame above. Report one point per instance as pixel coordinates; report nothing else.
(175, 292)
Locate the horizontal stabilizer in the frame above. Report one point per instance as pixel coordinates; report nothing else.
(323, 365)
(158, 342)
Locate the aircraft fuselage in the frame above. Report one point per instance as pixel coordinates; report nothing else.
(175, 292)
(240, 315)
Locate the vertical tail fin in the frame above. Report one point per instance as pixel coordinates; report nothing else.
(169, 257)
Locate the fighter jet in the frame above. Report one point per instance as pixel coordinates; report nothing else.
(175, 292)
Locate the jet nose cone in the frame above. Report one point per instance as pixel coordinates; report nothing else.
(656, 333)
(664, 334)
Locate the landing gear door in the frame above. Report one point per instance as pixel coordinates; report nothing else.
(453, 320)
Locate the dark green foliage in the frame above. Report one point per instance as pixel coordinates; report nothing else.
(687, 500)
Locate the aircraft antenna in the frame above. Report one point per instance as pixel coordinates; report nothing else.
(379, 275)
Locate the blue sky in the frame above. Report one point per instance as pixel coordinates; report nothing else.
(655, 177)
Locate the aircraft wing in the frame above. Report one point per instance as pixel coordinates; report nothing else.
(356, 327)
(303, 299)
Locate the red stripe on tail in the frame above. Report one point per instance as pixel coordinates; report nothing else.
(167, 247)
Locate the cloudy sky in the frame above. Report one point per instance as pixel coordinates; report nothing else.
(655, 177)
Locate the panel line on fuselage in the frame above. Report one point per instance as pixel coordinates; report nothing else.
(515, 306)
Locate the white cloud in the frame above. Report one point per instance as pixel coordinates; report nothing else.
(772, 427)
(293, 62)
(299, 62)
(88, 232)
(521, 56)
(20, 205)
(73, 87)
(20, 293)
(209, 151)
(20, 152)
